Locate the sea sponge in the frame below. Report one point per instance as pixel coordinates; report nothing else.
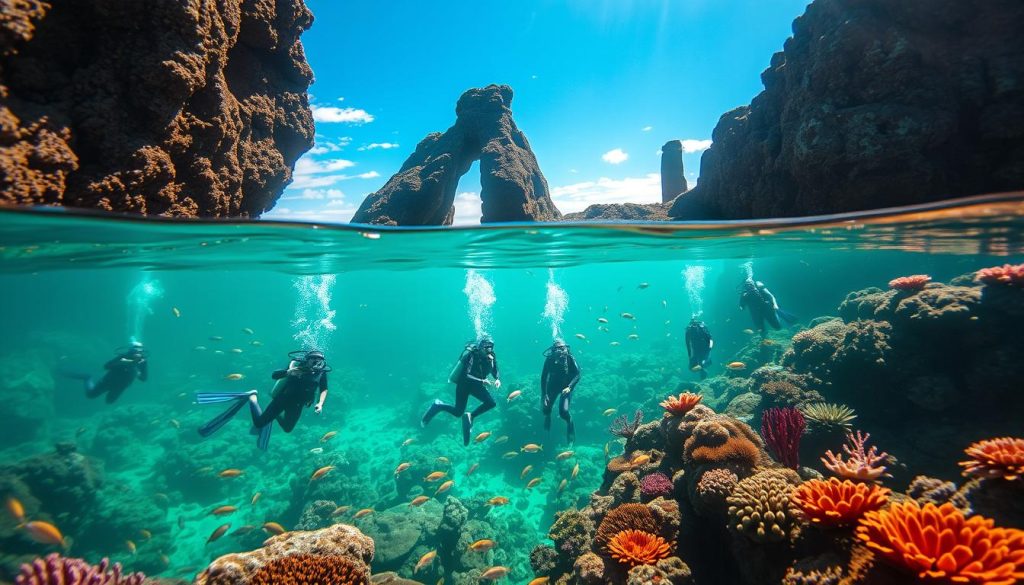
(655, 484)
(939, 543)
(713, 487)
(680, 405)
(55, 569)
(311, 570)
(543, 559)
(637, 547)
(837, 503)
(826, 576)
(930, 490)
(589, 568)
(1005, 275)
(786, 393)
(760, 508)
(572, 532)
(675, 569)
(720, 440)
(995, 458)
(626, 488)
(625, 517)
(914, 282)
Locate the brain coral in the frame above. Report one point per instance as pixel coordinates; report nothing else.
(759, 506)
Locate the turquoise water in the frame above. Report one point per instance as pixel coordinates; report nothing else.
(392, 310)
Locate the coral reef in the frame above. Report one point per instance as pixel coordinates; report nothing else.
(623, 427)
(311, 570)
(837, 503)
(720, 439)
(636, 547)
(57, 570)
(713, 487)
(781, 429)
(682, 404)
(860, 463)
(759, 506)
(827, 416)
(1010, 275)
(655, 484)
(1002, 458)
(914, 282)
(625, 517)
(930, 490)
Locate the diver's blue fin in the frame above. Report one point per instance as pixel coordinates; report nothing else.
(217, 397)
(788, 317)
(263, 440)
(222, 419)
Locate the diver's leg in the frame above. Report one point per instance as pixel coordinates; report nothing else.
(773, 319)
(546, 409)
(461, 397)
(114, 393)
(292, 412)
(563, 411)
(262, 418)
(486, 401)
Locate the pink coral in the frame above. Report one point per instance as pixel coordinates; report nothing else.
(1006, 275)
(781, 429)
(861, 463)
(914, 282)
(655, 484)
(58, 570)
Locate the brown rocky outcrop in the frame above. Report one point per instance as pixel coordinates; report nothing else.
(423, 190)
(673, 177)
(621, 212)
(191, 109)
(874, 103)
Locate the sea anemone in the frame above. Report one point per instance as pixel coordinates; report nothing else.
(827, 416)
(636, 547)
(781, 429)
(57, 570)
(311, 570)
(1005, 275)
(861, 463)
(914, 282)
(655, 484)
(1002, 457)
(625, 517)
(939, 543)
(759, 505)
(680, 405)
(837, 503)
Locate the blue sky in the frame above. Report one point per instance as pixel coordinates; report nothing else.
(599, 86)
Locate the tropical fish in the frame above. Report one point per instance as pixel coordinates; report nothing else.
(316, 450)
(526, 470)
(165, 560)
(419, 501)
(44, 533)
(145, 534)
(513, 395)
(243, 530)
(533, 483)
(748, 331)
(575, 471)
(564, 455)
(602, 328)
(640, 460)
(501, 439)
(768, 342)
(408, 442)
(340, 510)
(247, 330)
(497, 501)
(664, 303)
(236, 350)
(581, 336)
(736, 366)
(130, 546)
(273, 528)
(234, 377)
(615, 344)
(199, 348)
(231, 472)
(218, 351)
(424, 561)
(219, 532)
(697, 368)
(444, 487)
(255, 498)
(362, 513)
(482, 437)
(256, 343)
(224, 510)
(16, 510)
(607, 449)
(540, 581)
(176, 312)
(562, 484)
(633, 336)
(494, 573)
(321, 472)
(628, 316)
(435, 476)
(609, 411)
(444, 461)
(510, 455)
(482, 545)
(643, 285)
(175, 423)
(328, 436)
(531, 448)
(402, 467)
(602, 320)
(216, 338)
(472, 468)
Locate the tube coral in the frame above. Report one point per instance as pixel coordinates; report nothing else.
(310, 570)
(680, 405)
(636, 547)
(622, 427)
(1002, 457)
(57, 570)
(914, 282)
(781, 429)
(938, 543)
(861, 463)
(837, 503)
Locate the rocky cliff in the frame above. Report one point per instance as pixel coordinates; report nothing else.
(512, 185)
(874, 103)
(191, 109)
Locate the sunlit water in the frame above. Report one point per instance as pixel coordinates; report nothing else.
(392, 309)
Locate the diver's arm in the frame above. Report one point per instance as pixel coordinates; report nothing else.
(545, 375)
(113, 363)
(143, 370)
(323, 393)
(467, 367)
(771, 297)
(575, 379)
(689, 343)
(278, 374)
(494, 372)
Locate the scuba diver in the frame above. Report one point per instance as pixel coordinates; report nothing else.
(469, 375)
(129, 363)
(558, 379)
(297, 387)
(763, 307)
(698, 346)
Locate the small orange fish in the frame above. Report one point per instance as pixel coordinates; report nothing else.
(482, 545)
(533, 483)
(328, 436)
(640, 460)
(526, 470)
(575, 471)
(255, 498)
(273, 528)
(130, 546)
(444, 487)
(609, 411)
(531, 448)
(425, 561)
(510, 455)
(565, 455)
(497, 501)
(540, 581)
(482, 437)
(232, 472)
(321, 472)
(408, 442)
(562, 484)
(219, 532)
(444, 461)
(340, 510)
(224, 510)
(145, 534)
(736, 366)
(513, 395)
(234, 377)
(402, 467)
(419, 501)
(472, 468)
(501, 439)
(16, 510)
(494, 573)
(44, 533)
(435, 476)
(363, 512)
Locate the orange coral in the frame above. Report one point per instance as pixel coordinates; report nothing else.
(837, 503)
(939, 543)
(860, 463)
(720, 440)
(910, 283)
(311, 570)
(1007, 274)
(636, 547)
(625, 517)
(1002, 457)
(682, 404)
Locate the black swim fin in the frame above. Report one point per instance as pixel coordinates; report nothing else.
(788, 317)
(222, 419)
(217, 397)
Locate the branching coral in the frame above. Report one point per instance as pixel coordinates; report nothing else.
(57, 570)
(861, 463)
(759, 506)
(938, 543)
(636, 547)
(682, 404)
(625, 517)
(1002, 458)
(311, 570)
(837, 503)
(720, 439)
(1005, 275)
(622, 427)
(910, 283)
(826, 416)
(781, 429)
(655, 484)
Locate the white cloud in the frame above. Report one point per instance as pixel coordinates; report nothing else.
(381, 145)
(308, 166)
(320, 174)
(325, 146)
(369, 175)
(578, 196)
(647, 128)
(333, 114)
(467, 208)
(614, 157)
(691, 145)
(315, 194)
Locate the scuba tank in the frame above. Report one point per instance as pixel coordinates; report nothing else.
(280, 384)
(453, 376)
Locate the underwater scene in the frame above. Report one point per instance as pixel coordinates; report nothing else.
(833, 401)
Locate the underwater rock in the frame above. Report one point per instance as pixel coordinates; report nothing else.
(745, 406)
(390, 578)
(107, 106)
(863, 109)
(543, 560)
(65, 482)
(317, 514)
(339, 540)
(28, 390)
(589, 568)
(673, 177)
(397, 531)
(512, 187)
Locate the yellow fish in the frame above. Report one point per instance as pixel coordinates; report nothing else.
(482, 545)
(609, 412)
(526, 470)
(540, 581)
(340, 510)
(533, 483)
(224, 510)
(130, 546)
(419, 501)
(564, 455)
(697, 368)
(510, 455)
(363, 512)
(402, 467)
(501, 439)
(444, 487)
(408, 442)
(497, 501)
(219, 532)
(494, 573)
(435, 476)
(44, 533)
(562, 484)
(736, 366)
(328, 436)
(231, 472)
(321, 472)
(234, 377)
(748, 331)
(176, 312)
(255, 498)
(16, 510)
(575, 471)
(145, 534)
(640, 460)
(472, 468)
(531, 448)
(273, 528)
(482, 437)
(444, 461)
(424, 561)
(513, 395)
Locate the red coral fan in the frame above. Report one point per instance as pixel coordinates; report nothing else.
(58, 570)
(914, 282)
(781, 429)
(625, 517)
(311, 570)
(680, 405)
(938, 543)
(1002, 457)
(861, 463)
(1006, 275)
(837, 503)
(653, 485)
(636, 547)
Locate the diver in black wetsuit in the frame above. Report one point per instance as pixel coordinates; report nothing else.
(761, 303)
(299, 386)
(698, 346)
(121, 371)
(476, 363)
(558, 380)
